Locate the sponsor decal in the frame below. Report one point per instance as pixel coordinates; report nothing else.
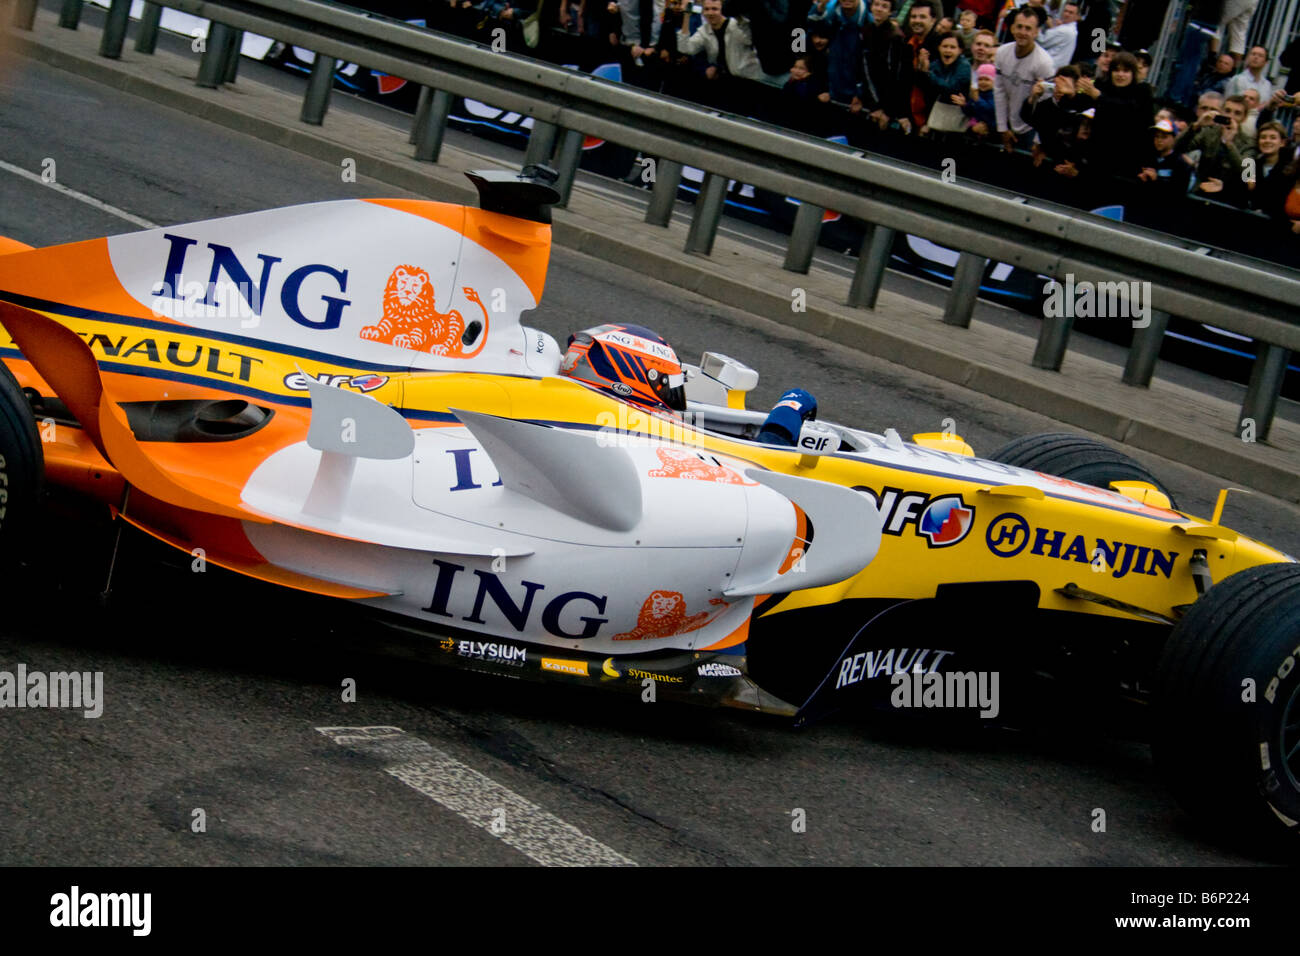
(817, 442)
(953, 690)
(714, 669)
(411, 319)
(575, 668)
(254, 295)
(497, 653)
(655, 676)
(1283, 671)
(942, 521)
(1010, 534)
(620, 389)
(638, 344)
(868, 665)
(694, 466)
(945, 521)
(297, 381)
(608, 669)
(465, 470)
(165, 353)
(663, 614)
(513, 609)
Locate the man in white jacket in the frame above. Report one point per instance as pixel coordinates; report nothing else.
(738, 59)
(1020, 64)
(1060, 40)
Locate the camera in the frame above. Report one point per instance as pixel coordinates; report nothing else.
(1223, 119)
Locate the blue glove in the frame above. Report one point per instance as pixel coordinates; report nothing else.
(787, 416)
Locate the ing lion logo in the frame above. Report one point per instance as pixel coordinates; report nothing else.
(664, 615)
(675, 463)
(411, 319)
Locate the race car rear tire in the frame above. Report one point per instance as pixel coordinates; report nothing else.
(21, 466)
(1077, 458)
(1227, 709)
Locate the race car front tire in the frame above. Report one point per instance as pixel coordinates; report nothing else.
(1077, 458)
(21, 466)
(1226, 730)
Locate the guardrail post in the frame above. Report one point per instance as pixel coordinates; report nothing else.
(317, 100)
(567, 159)
(233, 46)
(212, 67)
(421, 114)
(428, 146)
(146, 35)
(25, 14)
(663, 196)
(1053, 338)
(708, 212)
(110, 41)
(70, 14)
(960, 304)
(1142, 354)
(873, 258)
(1262, 392)
(803, 237)
(541, 143)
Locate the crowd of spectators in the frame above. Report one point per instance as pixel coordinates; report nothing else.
(1040, 83)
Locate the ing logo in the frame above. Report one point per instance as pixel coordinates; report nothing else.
(411, 319)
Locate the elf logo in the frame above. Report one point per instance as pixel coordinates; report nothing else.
(942, 521)
(814, 442)
(297, 381)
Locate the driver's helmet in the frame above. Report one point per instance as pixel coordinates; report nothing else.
(629, 362)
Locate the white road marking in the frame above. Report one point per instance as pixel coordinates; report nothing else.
(79, 196)
(478, 799)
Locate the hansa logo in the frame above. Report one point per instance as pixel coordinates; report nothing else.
(297, 381)
(575, 668)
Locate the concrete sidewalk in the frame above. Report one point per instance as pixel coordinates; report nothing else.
(1170, 420)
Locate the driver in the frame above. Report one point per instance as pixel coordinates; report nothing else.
(638, 365)
(629, 362)
(786, 418)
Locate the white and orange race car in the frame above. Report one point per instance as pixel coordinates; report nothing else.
(340, 398)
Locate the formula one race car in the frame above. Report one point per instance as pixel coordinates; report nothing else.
(340, 398)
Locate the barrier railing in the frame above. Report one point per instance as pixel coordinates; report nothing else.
(1244, 296)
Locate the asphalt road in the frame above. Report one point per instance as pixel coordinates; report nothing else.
(214, 687)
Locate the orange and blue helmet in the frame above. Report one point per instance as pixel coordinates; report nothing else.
(629, 362)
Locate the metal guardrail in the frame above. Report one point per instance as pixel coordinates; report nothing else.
(1242, 296)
